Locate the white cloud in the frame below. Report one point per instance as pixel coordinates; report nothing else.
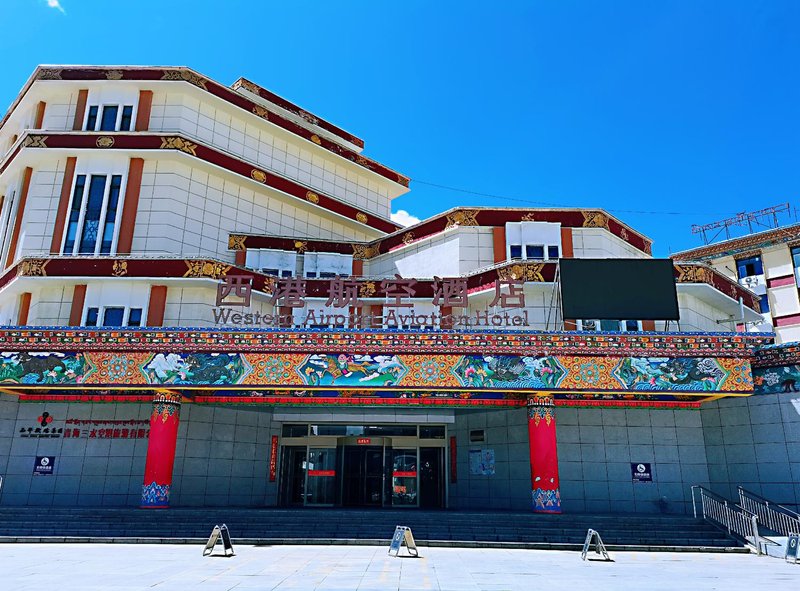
(57, 5)
(404, 218)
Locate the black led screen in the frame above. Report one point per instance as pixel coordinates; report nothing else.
(618, 289)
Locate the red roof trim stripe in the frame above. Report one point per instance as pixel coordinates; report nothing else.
(220, 91)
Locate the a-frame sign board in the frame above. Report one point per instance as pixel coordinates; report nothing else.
(217, 533)
(402, 535)
(599, 547)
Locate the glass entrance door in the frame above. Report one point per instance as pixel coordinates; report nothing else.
(362, 476)
(293, 475)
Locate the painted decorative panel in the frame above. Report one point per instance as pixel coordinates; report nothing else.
(376, 371)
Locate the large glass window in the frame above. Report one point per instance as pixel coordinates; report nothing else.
(93, 215)
(109, 118)
(113, 316)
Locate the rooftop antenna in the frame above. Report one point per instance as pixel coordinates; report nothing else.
(766, 218)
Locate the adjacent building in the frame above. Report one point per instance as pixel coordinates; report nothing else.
(767, 263)
(205, 302)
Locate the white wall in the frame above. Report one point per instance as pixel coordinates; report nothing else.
(185, 211)
(598, 243)
(251, 138)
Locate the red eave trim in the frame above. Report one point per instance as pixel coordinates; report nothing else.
(220, 91)
(296, 110)
(191, 147)
(463, 217)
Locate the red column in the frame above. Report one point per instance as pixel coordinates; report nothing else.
(544, 455)
(161, 450)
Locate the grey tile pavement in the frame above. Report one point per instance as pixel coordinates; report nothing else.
(120, 567)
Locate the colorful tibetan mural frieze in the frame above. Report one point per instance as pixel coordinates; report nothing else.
(775, 380)
(377, 371)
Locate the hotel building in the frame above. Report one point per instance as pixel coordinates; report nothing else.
(205, 302)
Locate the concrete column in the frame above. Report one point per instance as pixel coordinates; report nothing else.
(161, 450)
(545, 492)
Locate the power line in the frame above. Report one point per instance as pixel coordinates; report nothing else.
(545, 203)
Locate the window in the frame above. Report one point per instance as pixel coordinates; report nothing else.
(764, 304)
(610, 325)
(515, 251)
(93, 215)
(552, 252)
(113, 316)
(534, 251)
(749, 267)
(127, 115)
(109, 117)
(796, 256)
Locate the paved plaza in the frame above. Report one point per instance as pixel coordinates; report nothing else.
(123, 567)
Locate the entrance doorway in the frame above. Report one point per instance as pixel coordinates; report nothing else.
(389, 465)
(362, 476)
(293, 483)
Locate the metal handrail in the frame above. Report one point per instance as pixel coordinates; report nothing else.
(737, 521)
(772, 515)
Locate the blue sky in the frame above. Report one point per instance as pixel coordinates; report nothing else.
(686, 110)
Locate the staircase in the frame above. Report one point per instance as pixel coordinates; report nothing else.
(353, 526)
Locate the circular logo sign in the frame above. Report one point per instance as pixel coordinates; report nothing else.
(641, 469)
(44, 461)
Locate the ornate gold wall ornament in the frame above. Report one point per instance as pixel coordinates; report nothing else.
(35, 141)
(105, 141)
(178, 143)
(236, 242)
(366, 289)
(595, 219)
(403, 180)
(186, 76)
(694, 274)
(363, 252)
(462, 217)
(648, 247)
(362, 161)
(120, 268)
(408, 237)
(315, 138)
(261, 112)
(114, 74)
(312, 197)
(211, 269)
(522, 271)
(623, 233)
(528, 217)
(362, 217)
(32, 268)
(49, 74)
(300, 246)
(258, 175)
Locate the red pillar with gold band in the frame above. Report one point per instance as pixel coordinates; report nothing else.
(161, 450)
(544, 455)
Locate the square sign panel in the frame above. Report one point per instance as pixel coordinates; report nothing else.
(618, 289)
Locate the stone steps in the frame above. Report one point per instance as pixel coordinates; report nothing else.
(337, 525)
